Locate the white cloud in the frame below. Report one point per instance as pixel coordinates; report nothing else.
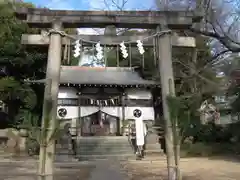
(97, 5)
(53, 2)
(60, 4)
(90, 31)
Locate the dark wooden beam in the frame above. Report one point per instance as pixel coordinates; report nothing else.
(177, 41)
(43, 18)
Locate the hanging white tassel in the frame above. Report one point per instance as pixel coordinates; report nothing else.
(99, 51)
(112, 101)
(124, 50)
(91, 101)
(140, 47)
(77, 49)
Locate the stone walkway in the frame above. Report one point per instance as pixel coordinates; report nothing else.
(21, 169)
(107, 169)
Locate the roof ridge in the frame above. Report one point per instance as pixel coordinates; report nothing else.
(98, 68)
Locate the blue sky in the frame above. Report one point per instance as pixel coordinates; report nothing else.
(93, 4)
(62, 4)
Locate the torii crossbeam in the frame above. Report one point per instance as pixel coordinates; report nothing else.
(177, 41)
(43, 18)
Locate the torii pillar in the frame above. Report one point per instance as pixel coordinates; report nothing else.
(167, 88)
(46, 158)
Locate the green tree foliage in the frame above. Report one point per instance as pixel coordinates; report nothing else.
(191, 74)
(18, 62)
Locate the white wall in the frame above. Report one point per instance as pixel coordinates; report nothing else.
(75, 111)
(67, 92)
(147, 112)
(138, 94)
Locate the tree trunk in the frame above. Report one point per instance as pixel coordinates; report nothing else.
(193, 70)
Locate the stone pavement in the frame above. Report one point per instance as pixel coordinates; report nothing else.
(108, 169)
(26, 168)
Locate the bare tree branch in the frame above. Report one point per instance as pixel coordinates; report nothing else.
(195, 73)
(221, 21)
(229, 44)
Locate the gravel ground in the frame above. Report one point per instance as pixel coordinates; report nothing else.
(217, 168)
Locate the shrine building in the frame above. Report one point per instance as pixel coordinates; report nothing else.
(97, 101)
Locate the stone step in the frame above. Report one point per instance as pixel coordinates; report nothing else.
(104, 157)
(103, 150)
(153, 145)
(111, 146)
(105, 154)
(103, 144)
(98, 149)
(103, 147)
(108, 138)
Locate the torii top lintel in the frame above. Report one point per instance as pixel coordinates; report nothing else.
(43, 18)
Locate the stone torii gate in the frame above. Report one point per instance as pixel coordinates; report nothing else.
(57, 20)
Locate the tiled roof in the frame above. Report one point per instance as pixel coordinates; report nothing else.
(102, 75)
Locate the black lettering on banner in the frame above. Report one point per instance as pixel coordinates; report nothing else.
(68, 102)
(108, 102)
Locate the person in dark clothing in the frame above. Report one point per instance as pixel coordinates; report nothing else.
(163, 144)
(132, 136)
(72, 144)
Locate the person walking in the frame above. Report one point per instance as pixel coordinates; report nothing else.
(132, 136)
(139, 150)
(145, 131)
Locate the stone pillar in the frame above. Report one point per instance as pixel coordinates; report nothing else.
(167, 88)
(109, 31)
(22, 140)
(80, 120)
(122, 120)
(46, 158)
